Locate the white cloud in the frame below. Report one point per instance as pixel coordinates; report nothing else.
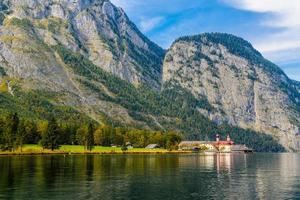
(285, 12)
(284, 57)
(282, 14)
(148, 24)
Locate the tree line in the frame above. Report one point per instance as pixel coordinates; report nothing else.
(50, 134)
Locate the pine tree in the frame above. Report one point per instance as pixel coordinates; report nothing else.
(90, 138)
(50, 139)
(10, 133)
(20, 136)
(81, 134)
(2, 127)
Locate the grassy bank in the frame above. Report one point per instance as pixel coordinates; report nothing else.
(77, 149)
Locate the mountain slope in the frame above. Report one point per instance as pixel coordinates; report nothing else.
(95, 28)
(244, 89)
(297, 85)
(119, 103)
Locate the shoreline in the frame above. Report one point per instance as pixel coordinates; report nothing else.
(113, 153)
(98, 150)
(94, 153)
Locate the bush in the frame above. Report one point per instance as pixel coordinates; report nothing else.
(124, 148)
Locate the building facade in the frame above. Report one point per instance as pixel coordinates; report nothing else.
(213, 146)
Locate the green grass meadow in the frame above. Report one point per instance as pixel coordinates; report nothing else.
(78, 149)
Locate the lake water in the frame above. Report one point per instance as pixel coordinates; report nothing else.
(142, 177)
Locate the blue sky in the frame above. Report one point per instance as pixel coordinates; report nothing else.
(272, 26)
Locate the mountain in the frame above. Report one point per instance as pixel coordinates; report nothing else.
(95, 29)
(83, 59)
(37, 38)
(297, 85)
(243, 88)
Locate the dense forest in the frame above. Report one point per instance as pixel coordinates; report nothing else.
(50, 134)
(15, 132)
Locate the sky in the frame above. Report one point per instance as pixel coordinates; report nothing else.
(272, 26)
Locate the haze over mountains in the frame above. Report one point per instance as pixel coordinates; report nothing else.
(87, 56)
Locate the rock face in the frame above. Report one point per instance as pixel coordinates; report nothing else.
(93, 28)
(245, 89)
(76, 49)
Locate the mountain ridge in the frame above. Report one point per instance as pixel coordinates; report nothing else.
(96, 29)
(92, 59)
(246, 89)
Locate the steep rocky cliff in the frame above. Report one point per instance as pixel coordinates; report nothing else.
(244, 89)
(94, 28)
(70, 52)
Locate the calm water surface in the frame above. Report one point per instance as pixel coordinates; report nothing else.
(142, 177)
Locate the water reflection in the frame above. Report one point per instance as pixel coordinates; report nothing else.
(216, 176)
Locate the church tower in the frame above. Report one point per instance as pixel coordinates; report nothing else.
(228, 138)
